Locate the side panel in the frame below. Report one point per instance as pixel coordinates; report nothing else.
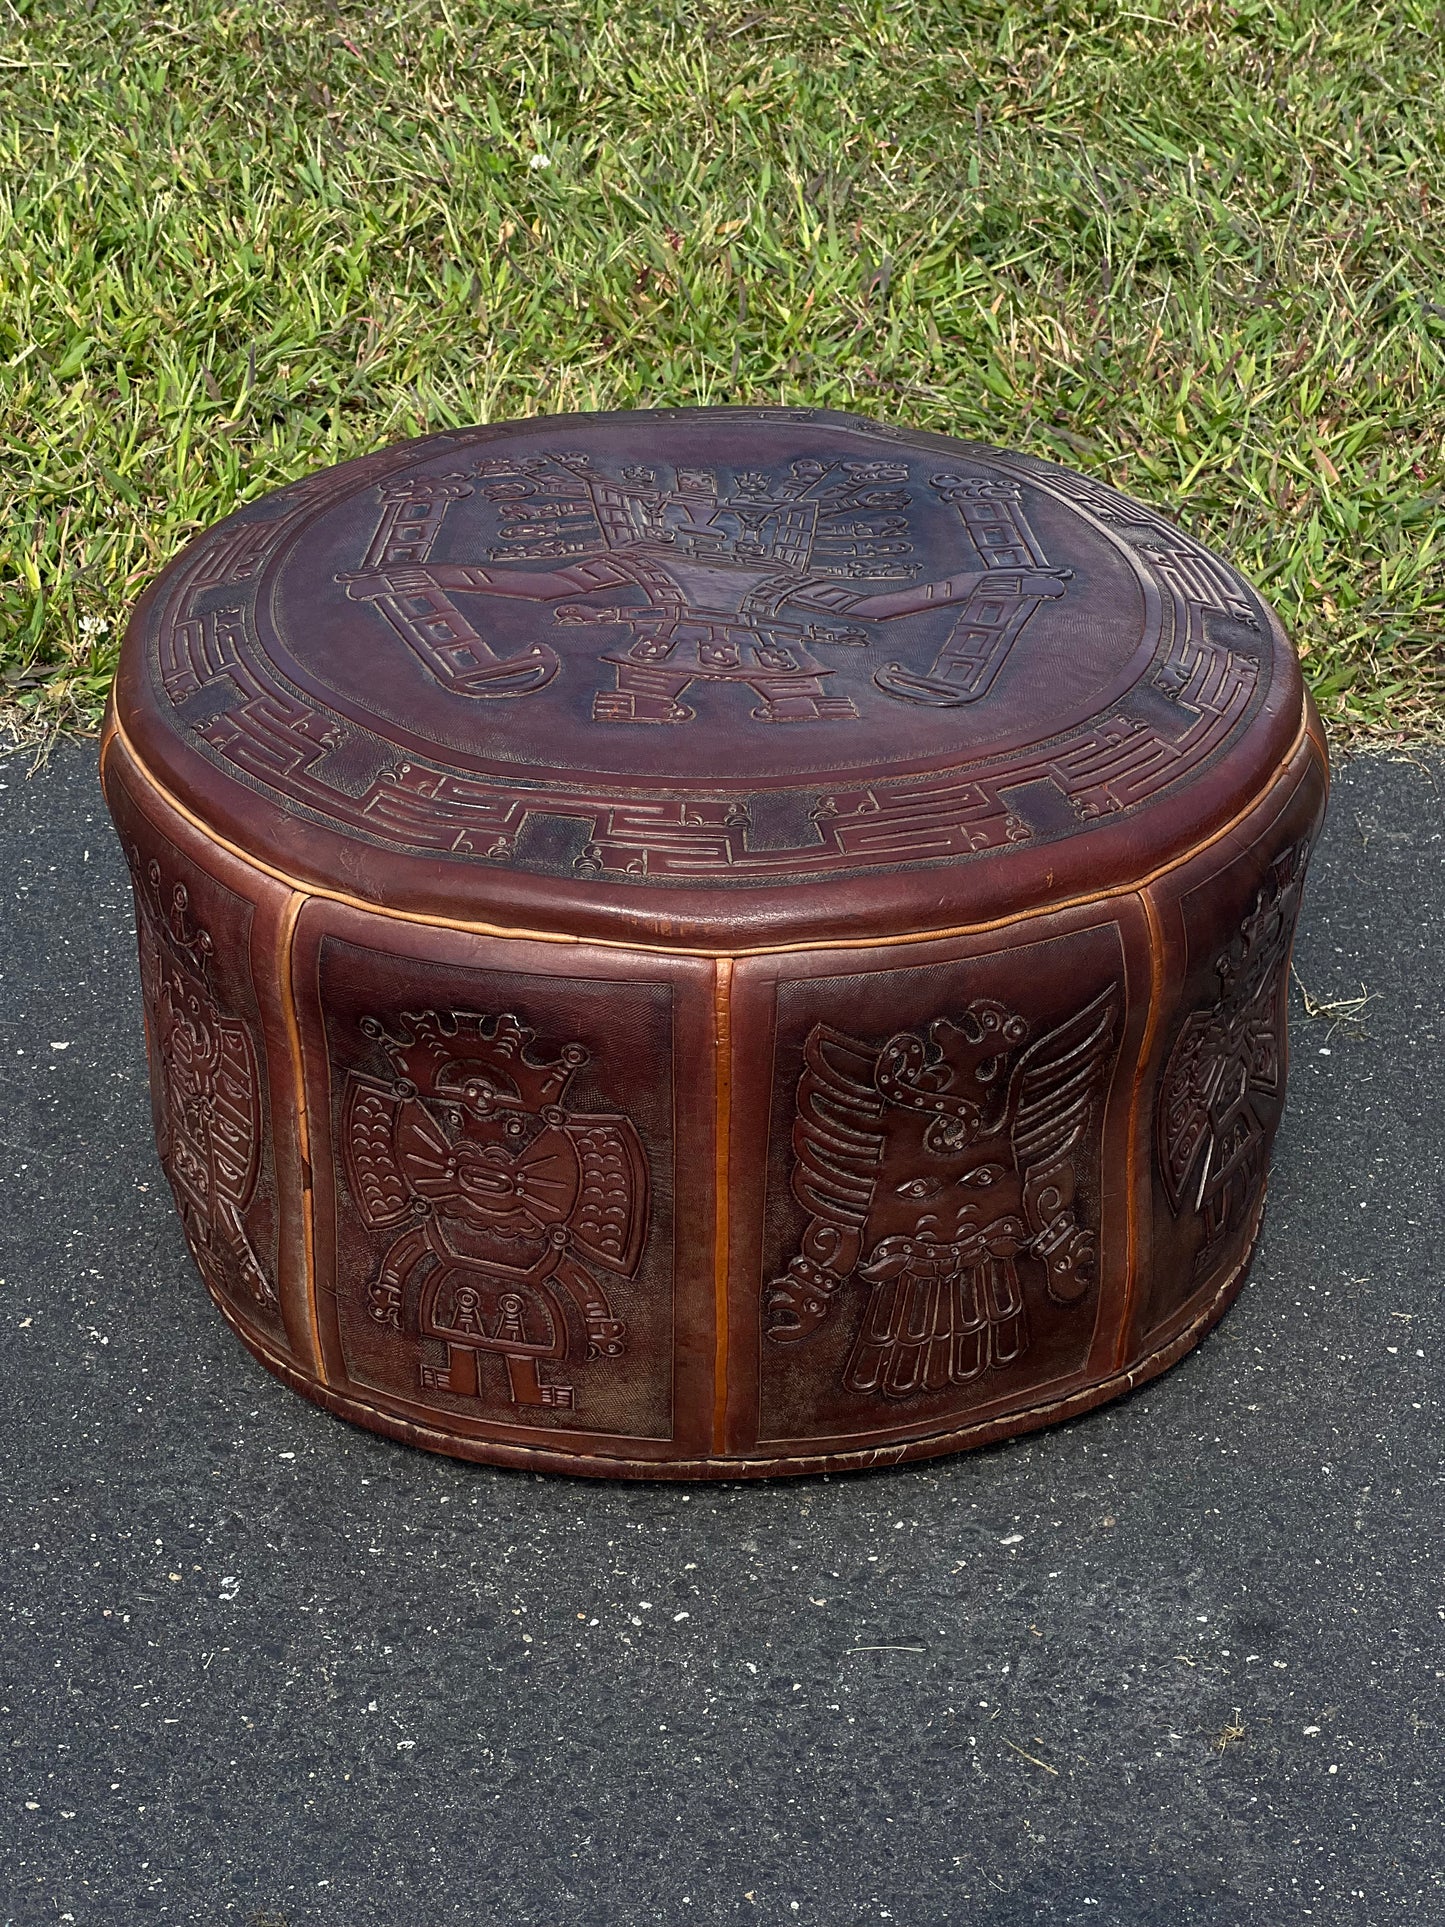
(938, 1231)
(1216, 1083)
(210, 933)
(511, 1148)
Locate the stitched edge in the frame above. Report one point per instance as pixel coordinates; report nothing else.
(376, 1418)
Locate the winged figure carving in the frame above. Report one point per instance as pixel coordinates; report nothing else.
(1223, 1087)
(505, 1203)
(937, 1171)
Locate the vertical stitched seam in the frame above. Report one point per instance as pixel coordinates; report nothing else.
(722, 1125)
(1133, 1282)
(285, 957)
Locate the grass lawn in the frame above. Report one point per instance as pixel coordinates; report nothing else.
(1194, 249)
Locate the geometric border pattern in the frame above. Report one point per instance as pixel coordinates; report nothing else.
(1204, 682)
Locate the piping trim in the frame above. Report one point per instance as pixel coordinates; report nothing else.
(1133, 1275)
(722, 1123)
(285, 962)
(635, 945)
(345, 1403)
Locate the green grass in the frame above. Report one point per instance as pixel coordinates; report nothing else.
(1194, 249)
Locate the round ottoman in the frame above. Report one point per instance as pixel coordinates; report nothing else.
(712, 944)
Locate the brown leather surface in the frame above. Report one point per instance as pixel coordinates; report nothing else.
(727, 678)
(886, 1135)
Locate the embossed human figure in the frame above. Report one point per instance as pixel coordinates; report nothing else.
(504, 1202)
(723, 587)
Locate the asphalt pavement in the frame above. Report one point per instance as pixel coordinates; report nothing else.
(1182, 1660)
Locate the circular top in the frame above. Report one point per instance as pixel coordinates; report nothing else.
(729, 676)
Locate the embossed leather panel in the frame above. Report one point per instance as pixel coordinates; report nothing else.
(713, 943)
(208, 1064)
(937, 1235)
(1229, 928)
(515, 1157)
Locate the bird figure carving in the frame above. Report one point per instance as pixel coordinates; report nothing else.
(934, 1170)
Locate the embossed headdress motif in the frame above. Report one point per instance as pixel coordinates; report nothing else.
(168, 914)
(466, 1058)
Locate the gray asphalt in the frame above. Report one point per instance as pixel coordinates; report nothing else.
(1179, 1661)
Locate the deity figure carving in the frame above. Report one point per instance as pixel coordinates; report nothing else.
(505, 1202)
(738, 580)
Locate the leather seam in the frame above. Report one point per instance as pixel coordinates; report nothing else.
(567, 1458)
(1137, 1154)
(722, 1204)
(286, 958)
(427, 919)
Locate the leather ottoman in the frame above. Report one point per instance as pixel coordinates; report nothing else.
(712, 944)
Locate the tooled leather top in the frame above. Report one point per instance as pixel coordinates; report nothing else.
(733, 677)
